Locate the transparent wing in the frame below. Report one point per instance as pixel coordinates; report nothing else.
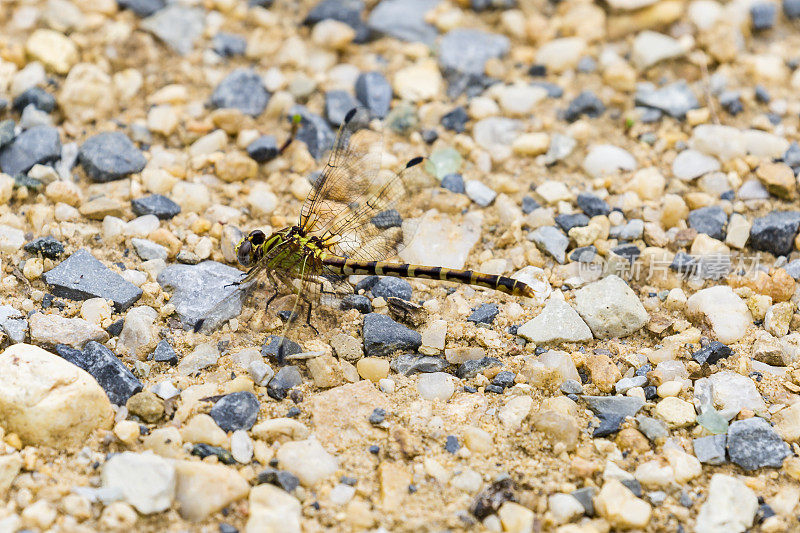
(353, 190)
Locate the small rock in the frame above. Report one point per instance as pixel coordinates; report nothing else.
(558, 322)
(436, 385)
(374, 92)
(110, 156)
(710, 450)
(314, 131)
(228, 44)
(618, 505)
(242, 89)
(272, 505)
(236, 411)
(115, 378)
(775, 232)
(610, 308)
(712, 353)
(762, 15)
(177, 25)
(731, 506)
(614, 405)
(391, 287)
(308, 460)
(551, 240)
(726, 313)
(202, 489)
(145, 480)
(157, 205)
(337, 104)
(586, 103)
(404, 20)
(650, 47)
(753, 444)
(54, 329)
(675, 412)
(382, 336)
(38, 395)
(37, 145)
(710, 220)
(607, 158)
(675, 99)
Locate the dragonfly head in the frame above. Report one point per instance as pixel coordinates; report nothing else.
(251, 248)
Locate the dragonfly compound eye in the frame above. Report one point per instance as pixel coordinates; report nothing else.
(244, 252)
(257, 237)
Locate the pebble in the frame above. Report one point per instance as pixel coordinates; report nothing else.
(607, 158)
(37, 97)
(586, 103)
(198, 289)
(436, 386)
(236, 411)
(408, 364)
(710, 450)
(466, 51)
(712, 353)
(242, 89)
(618, 505)
(307, 460)
(561, 54)
(390, 287)
(37, 145)
(775, 232)
(347, 11)
(38, 394)
(115, 378)
(263, 149)
(455, 120)
(374, 92)
(56, 51)
(675, 412)
(762, 15)
(710, 220)
(610, 308)
(675, 99)
(314, 131)
(622, 406)
(723, 310)
(285, 379)
(146, 481)
(178, 26)
(791, 8)
(203, 489)
(651, 47)
(337, 104)
(731, 506)
(54, 329)
(383, 336)
(201, 357)
(479, 193)
(81, 276)
(753, 444)
(558, 322)
(552, 241)
(691, 164)
(155, 204)
(229, 45)
(403, 20)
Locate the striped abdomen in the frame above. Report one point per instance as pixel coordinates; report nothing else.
(504, 284)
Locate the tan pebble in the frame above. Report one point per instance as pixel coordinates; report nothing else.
(783, 285)
(477, 440)
(531, 144)
(516, 518)
(166, 238)
(54, 49)
(669, 388)
(631, 439)
(102, 207)
(675, 412)
(618, 505)
(394, 481)
(41, 514)
(64, 191)
(127, 431)
(373, 368)
(147, 406)
(229, 119)
(239, 384)
(33, 268)
(779, 179)
(118, 516)
(325, 371)
(673, 210)
(236, 166)
(559, 428)
(419, 82)
(202, 428)
(332, 34)
(603, 371)
(162, 119)
(166, 442)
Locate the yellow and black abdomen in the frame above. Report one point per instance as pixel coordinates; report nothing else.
(504, 284)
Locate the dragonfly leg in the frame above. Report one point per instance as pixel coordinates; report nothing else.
(308, 317)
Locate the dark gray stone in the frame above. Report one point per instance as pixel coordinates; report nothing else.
(286, 379)
(504, 379)
(235, 411)
(314, 132)
(470, 369)
(586, 103)
(553, 90)
(49, 247)
(711, 449)
(614, 405)
(712, 353)
(280, 478)
(711, 220)
(454, 183)
(451, 444)
(203, 294)
(390, 218)
(389, 287)
(81, 276)
(7, 133)
(753, 444)
(529, 205)
(484, 314)
(157, 205)
(164, 353)
(571, 386)
(347, 11)
(456, 120)
(674, 99)
(408, 364)
(356, 301)
(404, 20)
(143, 8)
(731, 102)
(203, 450)
(609, 424)
(228, 44)
(337, 104)
(763, 15)
(573, 220)
(791, 157)
(37, 97)
(179, 27)
(791, 9)
(383, 336)
(586, 498)
(374, 92)
(109, 372)
(277, 347)
(592, 204)
(110, 156)
(775, 232)
(242, 89)
(652, 428)
(263, 149)
(38, 145)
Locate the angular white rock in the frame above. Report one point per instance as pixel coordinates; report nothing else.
(610, 308)
(607, 159)
(307, 460)
(724, 311)
(146, 480)
(558, 322)
(730, 507)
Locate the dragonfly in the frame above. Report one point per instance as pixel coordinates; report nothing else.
(349, 225)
